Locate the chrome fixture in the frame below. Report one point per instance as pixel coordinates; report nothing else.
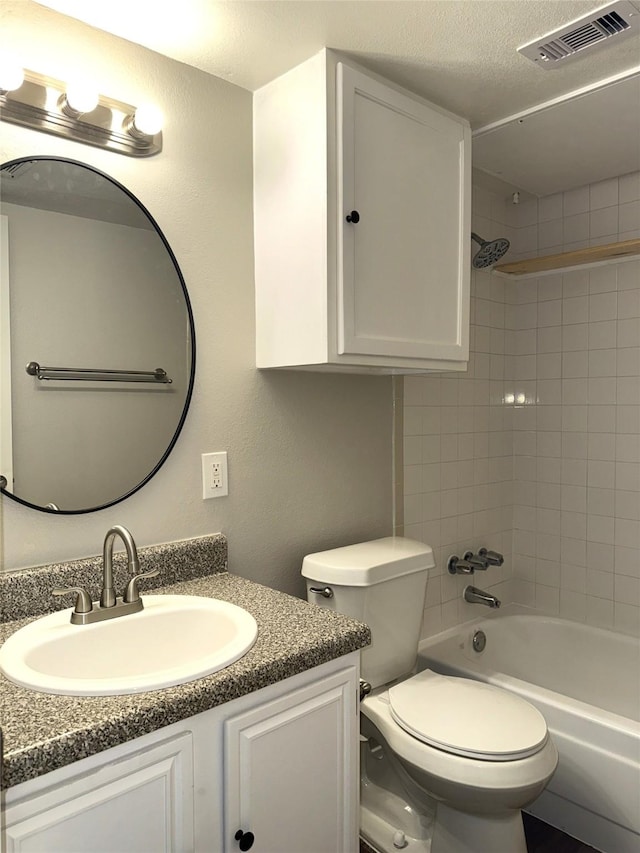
(471, 562)
(110, 607)
(83, 603)
(458, 566)
(108, 596)
(490, 251)
(473, 595)
(325, 591)
(364, 688)
(94, 374)
(478, 561)
(75, 111)
(493, 558)
(479, 641)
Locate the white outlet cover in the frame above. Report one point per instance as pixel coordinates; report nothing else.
(215, 484)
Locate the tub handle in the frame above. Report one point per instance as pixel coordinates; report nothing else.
(492, 557)
(476, 560)
(457, 566)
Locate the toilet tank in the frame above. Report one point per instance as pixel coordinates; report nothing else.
(382, 583)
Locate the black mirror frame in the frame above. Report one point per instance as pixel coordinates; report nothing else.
(192, 333)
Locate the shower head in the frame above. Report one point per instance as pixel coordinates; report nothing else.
(490, 251)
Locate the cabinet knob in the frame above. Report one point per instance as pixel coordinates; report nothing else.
(353, 217)
(245, 839)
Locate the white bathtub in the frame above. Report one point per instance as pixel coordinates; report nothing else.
(586, 682)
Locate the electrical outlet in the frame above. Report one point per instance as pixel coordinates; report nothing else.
(215, 475)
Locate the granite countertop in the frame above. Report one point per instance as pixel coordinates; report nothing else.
(43, 732)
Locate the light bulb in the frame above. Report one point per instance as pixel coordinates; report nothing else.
(11, 75)
(148, 119)
(81, 97)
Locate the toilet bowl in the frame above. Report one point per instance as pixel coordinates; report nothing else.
(461, 758)
(482, 759)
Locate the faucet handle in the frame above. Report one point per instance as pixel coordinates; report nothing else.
(478, 561)
(83, 600)
(132, 593)
(493, 558)
(457, 566)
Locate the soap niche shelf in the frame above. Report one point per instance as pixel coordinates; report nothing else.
(580, 257)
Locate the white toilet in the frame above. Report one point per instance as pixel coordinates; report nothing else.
(448, 763)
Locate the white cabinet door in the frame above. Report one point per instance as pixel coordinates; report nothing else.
(403, 284)
(140, 804)
(290, 771)
(389, 293)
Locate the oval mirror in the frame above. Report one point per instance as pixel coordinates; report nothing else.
(97, 346)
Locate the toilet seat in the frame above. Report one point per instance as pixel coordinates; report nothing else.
(481, 721)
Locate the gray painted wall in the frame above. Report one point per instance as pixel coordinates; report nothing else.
(309, 454)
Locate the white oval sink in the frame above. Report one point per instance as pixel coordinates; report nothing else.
(176, 638)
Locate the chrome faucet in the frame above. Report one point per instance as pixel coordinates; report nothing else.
(477, 596)
(108, 595)
(109, 606)
(467, 565)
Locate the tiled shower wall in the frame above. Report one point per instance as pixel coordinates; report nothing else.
(458, 449)
(535, 451)
(573, 359)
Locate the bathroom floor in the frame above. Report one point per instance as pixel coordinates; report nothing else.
(541, 838)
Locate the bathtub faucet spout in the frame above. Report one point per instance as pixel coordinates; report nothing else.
(477, 596)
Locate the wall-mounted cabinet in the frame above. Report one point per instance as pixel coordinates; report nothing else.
(362, 224)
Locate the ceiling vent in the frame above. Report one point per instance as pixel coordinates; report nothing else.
(600, 28)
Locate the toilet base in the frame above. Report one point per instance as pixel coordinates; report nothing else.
(385, 812)
(394, 807)
(458, 832)
(379, 834)
(453, 832)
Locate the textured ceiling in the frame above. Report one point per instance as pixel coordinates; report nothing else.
(461, 55)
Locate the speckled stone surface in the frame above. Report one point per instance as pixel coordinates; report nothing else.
(28, 592)
(44, 732)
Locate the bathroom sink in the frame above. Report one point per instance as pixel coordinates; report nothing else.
(176, 638)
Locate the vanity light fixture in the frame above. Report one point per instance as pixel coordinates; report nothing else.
(78, 99)
(146, 121)
(76, 111)
(11, 75)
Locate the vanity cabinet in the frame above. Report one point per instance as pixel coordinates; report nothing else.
(141, 800)
(289, 770)
(274, 771)
(362, 224)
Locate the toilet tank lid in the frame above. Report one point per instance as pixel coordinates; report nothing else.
(368, 563)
